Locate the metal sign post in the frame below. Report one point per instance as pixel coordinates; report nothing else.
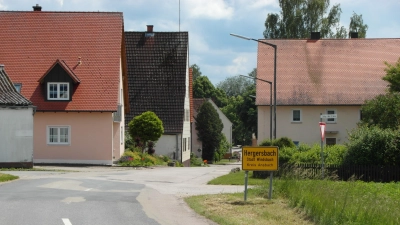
(322, 126)
(262, 158)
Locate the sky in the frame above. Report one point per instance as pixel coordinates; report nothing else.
(209, 23)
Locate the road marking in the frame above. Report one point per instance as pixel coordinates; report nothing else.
(66, 221)
(88, 189)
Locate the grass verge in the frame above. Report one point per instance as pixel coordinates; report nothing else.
(322, 201)
(231, 209)
(7, 177)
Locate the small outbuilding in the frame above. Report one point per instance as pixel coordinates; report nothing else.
(16, 125)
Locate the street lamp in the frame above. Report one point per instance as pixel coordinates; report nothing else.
(275, 48)
(270, 103)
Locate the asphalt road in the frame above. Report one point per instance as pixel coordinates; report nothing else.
(108, 195)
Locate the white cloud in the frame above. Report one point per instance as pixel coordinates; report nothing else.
(208, 9)
(2, 6)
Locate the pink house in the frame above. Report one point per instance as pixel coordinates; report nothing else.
(72, 66)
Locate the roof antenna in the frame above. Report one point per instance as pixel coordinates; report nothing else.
(179, 15)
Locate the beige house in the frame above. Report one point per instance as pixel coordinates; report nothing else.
(72, 66)
(320, 76)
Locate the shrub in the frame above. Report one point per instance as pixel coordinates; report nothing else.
(134, 158)
(281, 142)
(373, 146)
(145, 127)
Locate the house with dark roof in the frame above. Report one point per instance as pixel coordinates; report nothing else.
(227, 130)
(159, 81)
(72, 66)
(16, 125)
(321, 76)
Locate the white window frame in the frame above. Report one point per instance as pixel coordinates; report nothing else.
(331, 120)
(58, 127)
(292, 116)
(58, 91)
(18, 87)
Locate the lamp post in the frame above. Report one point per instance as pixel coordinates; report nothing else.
(270, 103)
(275, 48)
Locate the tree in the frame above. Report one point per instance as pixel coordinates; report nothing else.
(357, 25)
(203, 88)
(298, 18)
(382, 111)
(237, 85)
(147, 127)
(209, 127)
(196, 71)
(393, 76)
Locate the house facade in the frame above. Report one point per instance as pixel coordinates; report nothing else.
(16, 125)
(72, 66)
(159, 81)
(321, 76)
(227, 130)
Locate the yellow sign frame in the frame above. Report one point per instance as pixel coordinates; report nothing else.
(260, 158)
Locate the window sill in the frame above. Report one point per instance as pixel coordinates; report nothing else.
(59, 144)
(296, 122)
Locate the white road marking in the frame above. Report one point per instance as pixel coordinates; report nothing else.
(66, 221)
(88, 189)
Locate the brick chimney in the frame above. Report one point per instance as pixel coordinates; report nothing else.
(149, 32)
(37, 8)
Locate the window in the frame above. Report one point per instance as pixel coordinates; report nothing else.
(58, 135)
(18, 87)
(296, 143)
(58, 91)
(331, 120)
(330, 141)
(184, 145)
(296, 115)
(361, 115)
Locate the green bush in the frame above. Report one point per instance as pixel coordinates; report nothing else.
(333, 154)
(280, 142)
(134, 158)
(373, 146)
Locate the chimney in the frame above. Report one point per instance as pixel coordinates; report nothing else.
(149, 32)
(150, 28)
(353, 34)
(1, 67)
(37, 8)
(315, 35)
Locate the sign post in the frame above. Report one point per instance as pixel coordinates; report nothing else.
(261, 158)
(322, 126)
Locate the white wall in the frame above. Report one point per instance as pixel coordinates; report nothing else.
(166, 145)
(16, 134)
(308, 130)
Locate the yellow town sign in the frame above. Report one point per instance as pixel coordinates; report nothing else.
(262, 158)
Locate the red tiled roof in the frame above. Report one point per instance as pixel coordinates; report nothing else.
(31, 42)
(325, 71)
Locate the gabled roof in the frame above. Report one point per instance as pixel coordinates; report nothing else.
(325, 71)
(31, 42)
(157, 68)
(66, 68)
(8, 94)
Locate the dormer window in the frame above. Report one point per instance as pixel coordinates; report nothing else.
(59, 82)
(57, 91)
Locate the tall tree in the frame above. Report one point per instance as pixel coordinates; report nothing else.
(203, 88)
(382, 111)
(209, 129)
(237, 85)
(298, 18)
(357, 25)
(196, 71)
